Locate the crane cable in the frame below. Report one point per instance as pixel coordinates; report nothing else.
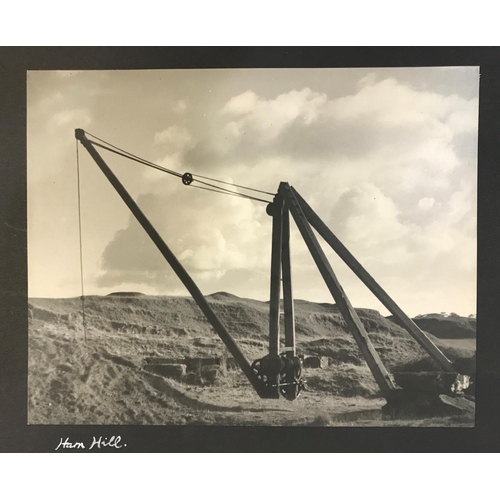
(131, 156)
(239, 195)
(233, 184)
(216, 189)
(84, 322)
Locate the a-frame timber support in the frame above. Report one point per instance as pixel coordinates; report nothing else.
(372, 285)
(280, 371)
(350, 315)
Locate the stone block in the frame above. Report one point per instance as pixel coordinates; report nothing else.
(210, 373)
(315, 362)
(175, 371)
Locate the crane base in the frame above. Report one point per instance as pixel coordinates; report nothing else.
(405, 404)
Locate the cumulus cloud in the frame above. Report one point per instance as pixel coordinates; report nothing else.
(367, 216)
(266, 119)
(209, 239)
(380, 166)
(242, 104)
(174, 139)
(171, 145)
(403, 136)
(426, 203)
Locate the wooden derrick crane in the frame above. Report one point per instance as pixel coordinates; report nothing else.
(278, 374)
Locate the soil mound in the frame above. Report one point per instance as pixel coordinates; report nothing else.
(223, 296)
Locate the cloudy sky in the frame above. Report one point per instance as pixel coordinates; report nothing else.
(386, 157)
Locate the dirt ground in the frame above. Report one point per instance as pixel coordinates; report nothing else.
(102, 379)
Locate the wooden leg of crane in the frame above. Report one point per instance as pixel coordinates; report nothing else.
(179, 270)
(289, 315)
(372, 285)
(354, 324)
(274, 302)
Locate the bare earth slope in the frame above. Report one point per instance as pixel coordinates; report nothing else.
(103, 380)
(446, 326)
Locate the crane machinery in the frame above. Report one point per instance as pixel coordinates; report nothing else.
(279, 373)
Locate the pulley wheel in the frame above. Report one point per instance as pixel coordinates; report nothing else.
(269, 209)
(187, 178)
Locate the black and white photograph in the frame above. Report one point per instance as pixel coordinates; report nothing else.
(252, 247)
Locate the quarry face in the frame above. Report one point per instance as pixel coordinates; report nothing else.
(151, 360)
